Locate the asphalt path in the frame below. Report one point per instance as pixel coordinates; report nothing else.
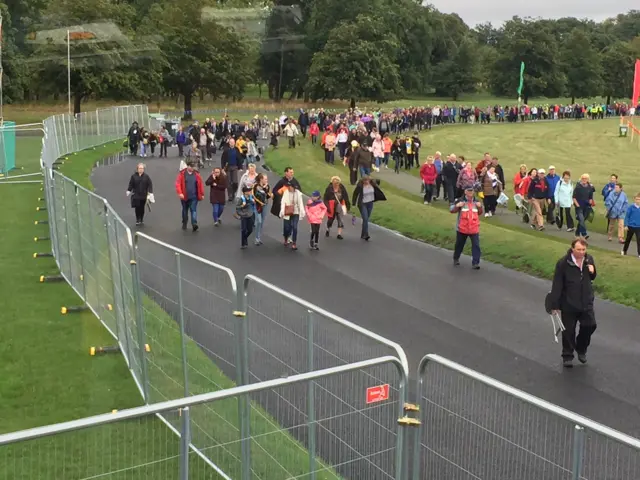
(491, 320)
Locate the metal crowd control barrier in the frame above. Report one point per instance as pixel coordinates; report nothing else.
(66, 134)
(288, 443)
(473, 426)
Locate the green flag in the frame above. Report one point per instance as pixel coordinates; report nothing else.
(521, 79)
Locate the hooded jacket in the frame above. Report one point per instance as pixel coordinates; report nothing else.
(315, 211)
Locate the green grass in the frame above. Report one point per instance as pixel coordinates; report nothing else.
(618, 278)
(585, 146)
(47, 375)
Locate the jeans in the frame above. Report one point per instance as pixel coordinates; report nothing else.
(218, 208)
(581, 216)
(461, 240)
(365, 213)
(190, 205)
(290, 227)
(248, 160)
(379, 161)
(386, 159)
(259, 223)
(246, 227)
(163, 148)
(364, 171)
(428, 192)
(329, 156)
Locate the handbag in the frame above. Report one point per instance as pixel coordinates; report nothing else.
(289, 210)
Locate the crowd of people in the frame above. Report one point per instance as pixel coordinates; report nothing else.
(364, 143)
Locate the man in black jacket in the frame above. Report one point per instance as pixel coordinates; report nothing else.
(572, 297)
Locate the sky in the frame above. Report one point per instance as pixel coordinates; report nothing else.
(497, 11)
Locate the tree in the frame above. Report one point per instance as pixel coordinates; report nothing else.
(618, 62)
(459, 73)
(358, 62)
(527, 41)
(199, 53)
(583, 66)
(103, 58)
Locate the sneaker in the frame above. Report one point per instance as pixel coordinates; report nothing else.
(456, 263)
(475, 267)
(586, 237)
(216, 224)
(138, 224)
(294, 246)
(367, 238)
(622, 252)
(184, 225)
(340, 237)
(582, 357)
(567, 363)
(609, 239)
(540, 229)
(426, 203)
(326, 234)
(570, 229)
(486, 215)
(533, 227)
(311, 246)
(316, 247)
(243, 247)
(195, 227)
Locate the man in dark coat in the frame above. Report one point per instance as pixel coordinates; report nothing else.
(281, 187)
(572, 297)
(139, 188)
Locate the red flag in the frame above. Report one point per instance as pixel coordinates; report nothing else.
(636, 85)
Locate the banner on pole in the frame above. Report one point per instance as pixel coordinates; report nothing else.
(636, 85)
(521, 79)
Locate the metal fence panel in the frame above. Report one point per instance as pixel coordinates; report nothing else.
(298, 441)
(473, 427)
(278, 339)
(62, 236)
(73, 232)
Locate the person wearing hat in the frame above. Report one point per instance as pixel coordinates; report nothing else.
(246, 208)
(469, 210)
(349, 161)
(190, 190)
(552, 182)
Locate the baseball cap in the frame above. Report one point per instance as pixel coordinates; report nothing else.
(542, 170)
(354, 143)
(551, 167)
(315, 193)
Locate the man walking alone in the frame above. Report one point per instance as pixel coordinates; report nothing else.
(190, 190)
(468, 226)
(572, 297)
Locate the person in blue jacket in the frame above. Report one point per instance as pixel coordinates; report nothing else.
(609, 187)
(616, 205)
(552, 180)
(632, 225)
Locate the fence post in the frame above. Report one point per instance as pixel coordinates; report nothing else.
(182, 329)
(185, 441)
(116, 307)
(97, 123)
(53, 214)
(242, 367)
(100, 306)
(311, 403)
(578, 452)
(135, 277)
(66, 229)
(83, 277)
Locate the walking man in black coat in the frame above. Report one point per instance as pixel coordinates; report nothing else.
(572, 297)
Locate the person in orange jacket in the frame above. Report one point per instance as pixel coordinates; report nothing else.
(190, 190)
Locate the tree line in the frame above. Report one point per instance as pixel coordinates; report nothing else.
(313, 50)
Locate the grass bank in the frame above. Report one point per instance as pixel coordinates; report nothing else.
(583, 146)
(618, 276)
(47, 375)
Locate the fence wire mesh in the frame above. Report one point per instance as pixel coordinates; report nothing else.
(65, 134)
(473, 430)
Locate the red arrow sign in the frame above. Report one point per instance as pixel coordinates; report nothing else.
(378, 394)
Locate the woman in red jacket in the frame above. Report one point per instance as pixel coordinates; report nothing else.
(518, 181)
(428, 173)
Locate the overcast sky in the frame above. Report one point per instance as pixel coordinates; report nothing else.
(497, 11)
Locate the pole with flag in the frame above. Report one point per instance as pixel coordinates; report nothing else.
(69, 68)
(521, 83)
(635, 98)
(1, 75)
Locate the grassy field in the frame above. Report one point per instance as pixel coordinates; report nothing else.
(584, 146)
(47, 375)
(618, 280)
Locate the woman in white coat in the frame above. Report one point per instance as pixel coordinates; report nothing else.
(563, 197)
(291, 212)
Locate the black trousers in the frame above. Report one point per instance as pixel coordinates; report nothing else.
(139, 212)
(627, 241)
(551, 219)
(163, 148)
(579, 343)
(564, 215)
(438, 185)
